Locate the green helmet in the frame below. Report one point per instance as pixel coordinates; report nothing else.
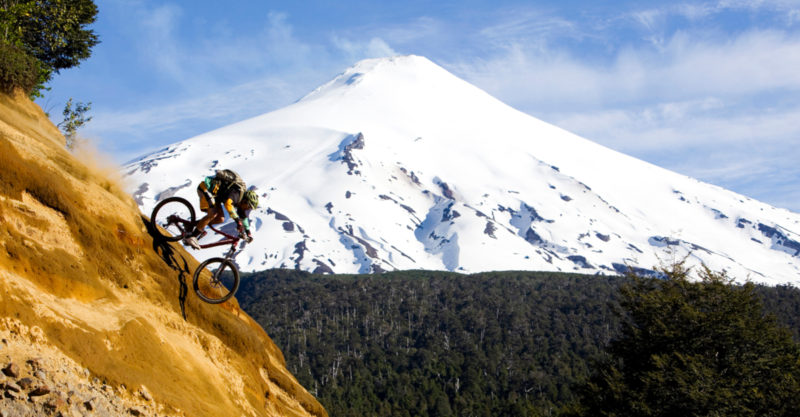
(252, 198)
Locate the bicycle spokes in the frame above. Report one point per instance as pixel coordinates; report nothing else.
(216, 280)
(175, 216)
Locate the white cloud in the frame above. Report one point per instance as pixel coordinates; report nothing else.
(358, 50)
(159, 47)
(750, 63)
(695, 11)
(687, 68)
(654, 18)
(528, 26)
(649, 19)
(683, 125)
(421, 29)
(198, 59)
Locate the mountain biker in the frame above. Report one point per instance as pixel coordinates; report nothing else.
(225, 189)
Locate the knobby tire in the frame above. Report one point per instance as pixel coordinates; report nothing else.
(215, 293)
(169, 206)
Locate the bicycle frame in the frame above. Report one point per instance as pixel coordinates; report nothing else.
(226, 240)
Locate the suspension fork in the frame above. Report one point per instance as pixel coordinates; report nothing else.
(231, 252)
(229, 257)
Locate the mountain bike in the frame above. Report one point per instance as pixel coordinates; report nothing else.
(216, 279)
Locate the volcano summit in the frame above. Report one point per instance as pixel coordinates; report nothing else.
(398, 164)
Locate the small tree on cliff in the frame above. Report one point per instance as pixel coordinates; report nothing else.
(73, 119)
(694, 349)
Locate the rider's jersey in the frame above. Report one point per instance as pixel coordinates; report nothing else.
(229, 201)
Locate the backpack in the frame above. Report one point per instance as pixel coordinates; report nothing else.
(228, 181)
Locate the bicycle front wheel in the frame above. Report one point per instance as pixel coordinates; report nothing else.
(216, 280)
(173, 218)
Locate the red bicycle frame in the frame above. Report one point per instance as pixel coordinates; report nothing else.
(227, 240)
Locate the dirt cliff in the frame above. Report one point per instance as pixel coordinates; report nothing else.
(97, 317)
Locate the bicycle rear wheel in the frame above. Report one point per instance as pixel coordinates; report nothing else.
(173, 218)
(216, 280)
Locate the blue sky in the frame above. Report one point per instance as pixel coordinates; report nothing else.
(709, 89)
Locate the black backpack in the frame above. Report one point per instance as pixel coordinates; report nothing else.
(230, 180)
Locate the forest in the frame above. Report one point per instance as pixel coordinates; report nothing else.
(431, 343)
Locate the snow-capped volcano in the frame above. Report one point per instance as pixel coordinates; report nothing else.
(398, 164)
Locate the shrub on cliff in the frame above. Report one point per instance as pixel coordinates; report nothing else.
(17, 69)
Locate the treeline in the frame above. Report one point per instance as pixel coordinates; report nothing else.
(428, 343)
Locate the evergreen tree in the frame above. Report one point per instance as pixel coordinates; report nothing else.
(694, 349)
(54, 32)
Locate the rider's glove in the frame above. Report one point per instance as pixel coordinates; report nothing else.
(249, 237)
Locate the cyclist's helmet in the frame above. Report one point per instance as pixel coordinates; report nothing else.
(252, 198)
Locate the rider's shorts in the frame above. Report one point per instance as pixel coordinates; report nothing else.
(203, 202)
